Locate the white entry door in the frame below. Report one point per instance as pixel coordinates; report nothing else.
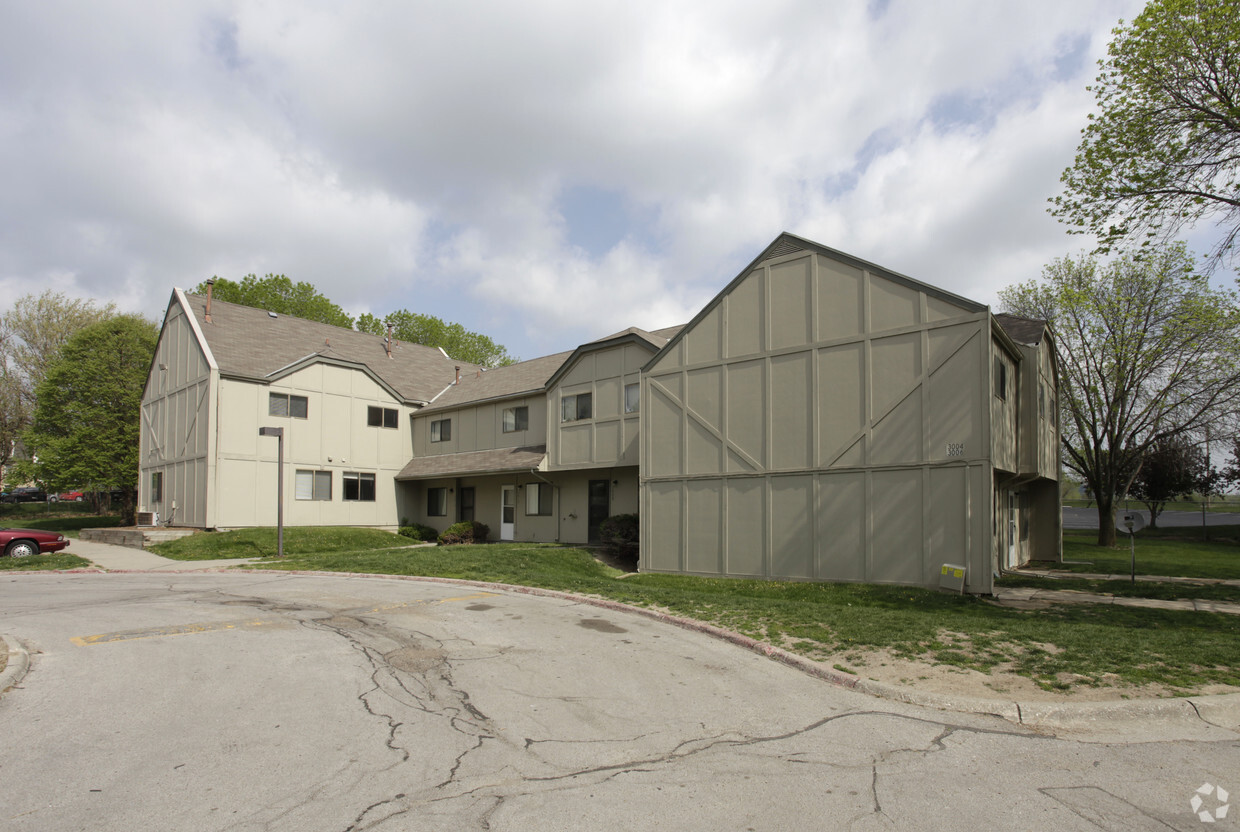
(508, 512)
(1013, 520)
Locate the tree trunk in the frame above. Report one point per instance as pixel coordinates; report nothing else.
(1106, 521)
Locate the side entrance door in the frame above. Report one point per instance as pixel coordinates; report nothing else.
(1013, 519)
(466, 504)
(508, 512)
(600, 507)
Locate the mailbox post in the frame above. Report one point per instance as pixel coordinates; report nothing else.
(1131, 522)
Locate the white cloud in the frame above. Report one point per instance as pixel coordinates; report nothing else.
(417, 154)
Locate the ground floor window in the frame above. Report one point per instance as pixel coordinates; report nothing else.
(157, 486)
(538, 498)
(313, 485)
(436, 502)
(359, 486)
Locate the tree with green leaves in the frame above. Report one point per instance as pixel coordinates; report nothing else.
(1147, 351)
(454, 339)
(1172, 468)
(277, 293)
(31, 335)
(85, 429)
(1163, 150)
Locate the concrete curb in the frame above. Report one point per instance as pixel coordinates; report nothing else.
(1221, 711)
(18, 663)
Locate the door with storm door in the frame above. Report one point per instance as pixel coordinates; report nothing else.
(508, 512)
(600, 507)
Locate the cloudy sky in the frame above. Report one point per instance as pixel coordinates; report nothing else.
(544, 172)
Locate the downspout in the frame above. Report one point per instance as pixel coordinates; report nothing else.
(556, 491)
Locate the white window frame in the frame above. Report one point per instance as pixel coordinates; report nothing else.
(632, 404)
(312, 485)
(441, 430)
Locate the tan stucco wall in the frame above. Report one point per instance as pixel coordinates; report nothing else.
(334, 437)
(176, 429)
(821, 422)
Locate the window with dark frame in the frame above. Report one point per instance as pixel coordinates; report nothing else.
(358, 486)
(312, 485)
(286, 404)
(441, 430)
(576, 407)
(1000, 378)
(538, 499)
(516, 419)
(157, 486)
(436, 502)
(380, 417)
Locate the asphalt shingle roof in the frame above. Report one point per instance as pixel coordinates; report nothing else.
(251, 343)
(1026, 331)
(502, 382)
(498, 461)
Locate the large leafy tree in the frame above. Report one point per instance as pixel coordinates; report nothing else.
(1163, 150)
(1147, 351)
(85, 428)
(456, 340)
(31, 335)
(277, 293)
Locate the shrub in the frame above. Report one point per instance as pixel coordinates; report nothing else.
(419, 532)
(467, 531)
(619, 535)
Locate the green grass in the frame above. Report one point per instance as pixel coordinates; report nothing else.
(1230, 505)
(1124, 588)
(57, 561)
(1162, 552)
(68, 526)
(261, 543)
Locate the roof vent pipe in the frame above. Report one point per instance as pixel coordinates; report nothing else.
(458, 376)
(388, 343)
(210, 286)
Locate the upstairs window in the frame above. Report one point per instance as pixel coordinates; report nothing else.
(1000, 378)
(516, 418)
(157, 486)
(441, 430)
(576, 407)
(632, 398)
(284, 404)
(380, 417)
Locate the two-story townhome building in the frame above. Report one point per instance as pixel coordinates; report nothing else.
(824, 418)
(542, 450)
(343, 399)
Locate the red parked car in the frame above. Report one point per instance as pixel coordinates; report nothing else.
(66, 497)
(21, 543)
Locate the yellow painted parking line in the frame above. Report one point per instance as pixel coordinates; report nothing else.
(428, 603)
(161, 632)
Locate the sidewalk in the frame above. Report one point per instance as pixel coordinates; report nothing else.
(1032, 597)
(123, 559)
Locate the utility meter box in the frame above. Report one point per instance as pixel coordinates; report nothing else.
(951, 578)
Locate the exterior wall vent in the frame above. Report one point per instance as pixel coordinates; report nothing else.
(784, 247)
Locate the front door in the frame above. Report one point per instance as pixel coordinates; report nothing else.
(466, 504)
(1013, 517)
(600, 506)
(508, 512)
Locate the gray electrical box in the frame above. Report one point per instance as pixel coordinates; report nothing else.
(951, 578)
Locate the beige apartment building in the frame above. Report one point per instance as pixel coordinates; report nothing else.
(821, 419)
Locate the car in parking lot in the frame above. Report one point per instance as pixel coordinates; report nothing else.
(66, 497)
(22, 543)
(25, 494)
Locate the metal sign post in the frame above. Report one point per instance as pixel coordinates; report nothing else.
(1131, 522)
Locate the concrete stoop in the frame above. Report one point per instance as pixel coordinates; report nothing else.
(134, 538)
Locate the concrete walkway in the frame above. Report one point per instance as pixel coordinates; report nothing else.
(124, 559)
(1031, 597)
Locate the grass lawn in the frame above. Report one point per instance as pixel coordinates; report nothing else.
(837, 623)
(57, 561)
(1174, 552)
(68, 522)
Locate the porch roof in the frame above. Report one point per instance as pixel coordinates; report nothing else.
(472, 463)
